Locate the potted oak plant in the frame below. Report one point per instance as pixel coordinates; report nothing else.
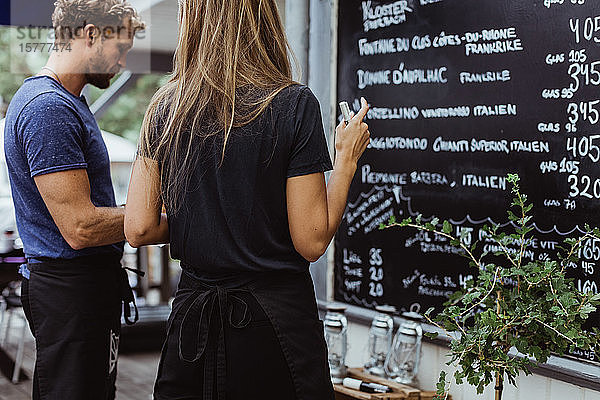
(511, 303)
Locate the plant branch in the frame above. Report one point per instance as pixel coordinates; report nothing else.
(484, 297)
(506, 253)
(421, 227)
(555, 331)
(522, 248)
(556, 296)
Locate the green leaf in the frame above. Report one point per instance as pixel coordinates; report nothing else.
(586, 309)
(447, 228)
(595, 297)
(431, 335)
(513, 179)
(512, 216)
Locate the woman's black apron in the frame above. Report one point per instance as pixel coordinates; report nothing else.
(203, 312)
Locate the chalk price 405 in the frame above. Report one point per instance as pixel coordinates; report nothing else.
(581, 147)
(587, 29)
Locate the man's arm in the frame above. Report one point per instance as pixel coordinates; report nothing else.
(82, 225)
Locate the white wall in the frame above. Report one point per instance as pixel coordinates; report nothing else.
(433, 359)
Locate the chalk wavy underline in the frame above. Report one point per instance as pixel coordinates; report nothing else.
(397, 191)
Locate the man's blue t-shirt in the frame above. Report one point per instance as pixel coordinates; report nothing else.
(48, 129)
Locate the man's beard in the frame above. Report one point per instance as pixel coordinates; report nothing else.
(101, 81)
(100, 73)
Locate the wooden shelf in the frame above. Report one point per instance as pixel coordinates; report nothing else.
(399, 391)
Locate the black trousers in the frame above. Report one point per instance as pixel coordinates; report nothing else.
(74, 312)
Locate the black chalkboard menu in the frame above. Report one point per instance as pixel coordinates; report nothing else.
(462, 93)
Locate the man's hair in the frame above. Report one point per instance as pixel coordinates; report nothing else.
(71, 16)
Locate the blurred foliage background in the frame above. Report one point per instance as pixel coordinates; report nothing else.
(123, 118)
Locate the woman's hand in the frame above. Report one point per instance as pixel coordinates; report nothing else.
(352, 139)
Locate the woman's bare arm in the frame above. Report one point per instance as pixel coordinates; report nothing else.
(315, 210)
(144, 222)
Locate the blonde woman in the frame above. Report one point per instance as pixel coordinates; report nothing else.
(235, 150)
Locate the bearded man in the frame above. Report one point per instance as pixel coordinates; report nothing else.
(71, 228)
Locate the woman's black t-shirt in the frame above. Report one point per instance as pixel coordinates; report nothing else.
(233, 217)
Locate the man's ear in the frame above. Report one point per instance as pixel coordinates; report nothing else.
(92, 34)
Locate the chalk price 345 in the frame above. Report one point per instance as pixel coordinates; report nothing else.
(584, 74)
(584, 111)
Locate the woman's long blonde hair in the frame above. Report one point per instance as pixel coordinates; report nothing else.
(231, 61)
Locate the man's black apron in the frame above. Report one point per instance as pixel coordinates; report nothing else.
(74, 311)
(203, 312)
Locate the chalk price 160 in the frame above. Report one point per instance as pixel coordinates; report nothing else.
(587, 286)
